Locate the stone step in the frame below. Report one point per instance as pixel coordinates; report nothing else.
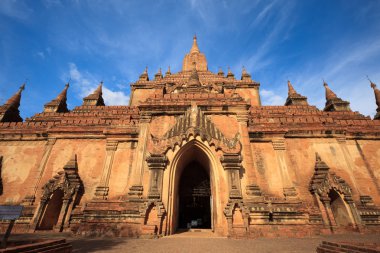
(46, 246)
(61, 248)
(332, 247)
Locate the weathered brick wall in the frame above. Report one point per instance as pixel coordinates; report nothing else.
(121, 170)
(19, 170)
(251, 94)
(90, 157)
(357, 164)
(140, 95)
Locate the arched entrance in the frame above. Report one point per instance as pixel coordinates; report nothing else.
(194, 197)
(339, 209)
(59, 197)
(195, 178)
(52, 210)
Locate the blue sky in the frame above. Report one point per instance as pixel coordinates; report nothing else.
(49, 41)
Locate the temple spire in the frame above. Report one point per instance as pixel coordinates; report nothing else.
(96, 98)
(16, 98)
(329, 93)
(294, 98)
(333, 102)
(59, 103)
(196, 56)
(144, 76)
(194, 48)
(158, 75)
(377, 97)
(230, 74)
(245, 75)
(168, 72)
(220, 72)
(194, 77)
(291, 90)
(9, 111)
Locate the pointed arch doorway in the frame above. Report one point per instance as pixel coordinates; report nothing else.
(194, 197)
(192, 194)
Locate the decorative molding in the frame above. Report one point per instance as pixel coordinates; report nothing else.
(323, 181)
(156, 165)
(194, 123)
(69, 181)
(278, 143)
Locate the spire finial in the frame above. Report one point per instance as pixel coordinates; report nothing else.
(291, 90)
(95, 98)
(194, 48)
(9, 111)
(168, 72)
(59, 103)
(373, 85)
(329, 93)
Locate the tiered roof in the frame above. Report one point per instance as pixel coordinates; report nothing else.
(213, 92)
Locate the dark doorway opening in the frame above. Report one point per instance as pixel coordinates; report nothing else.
(194, 197)
(52, 211)
(339, 209)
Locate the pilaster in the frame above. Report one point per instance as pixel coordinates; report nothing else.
(156, 165)
(30, 198)
(136, 190)
(103, 188)
(279, 147)
(232, 165)
(252, 188)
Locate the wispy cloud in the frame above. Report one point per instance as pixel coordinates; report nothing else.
(85, 83)
(277, 28)
(263, 14)
(270, 98)
(345, 69)
(15, 9)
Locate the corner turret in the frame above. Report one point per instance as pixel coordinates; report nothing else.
(333, 102)
(96, 97)
(59, 103)
(294, 98)
(9, 112)
(377, 97)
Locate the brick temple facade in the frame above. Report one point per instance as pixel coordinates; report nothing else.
(193, 149)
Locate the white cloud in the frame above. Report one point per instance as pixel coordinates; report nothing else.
(269, 97)
(41, 55)
(115, 97)
(86, 83)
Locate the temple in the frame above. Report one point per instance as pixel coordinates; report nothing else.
(193, 149)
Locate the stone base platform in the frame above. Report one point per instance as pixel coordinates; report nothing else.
(38, 245)
(351, 247)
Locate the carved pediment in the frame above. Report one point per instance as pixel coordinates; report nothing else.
(67, 180)
(194, 123)
(323, 180)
